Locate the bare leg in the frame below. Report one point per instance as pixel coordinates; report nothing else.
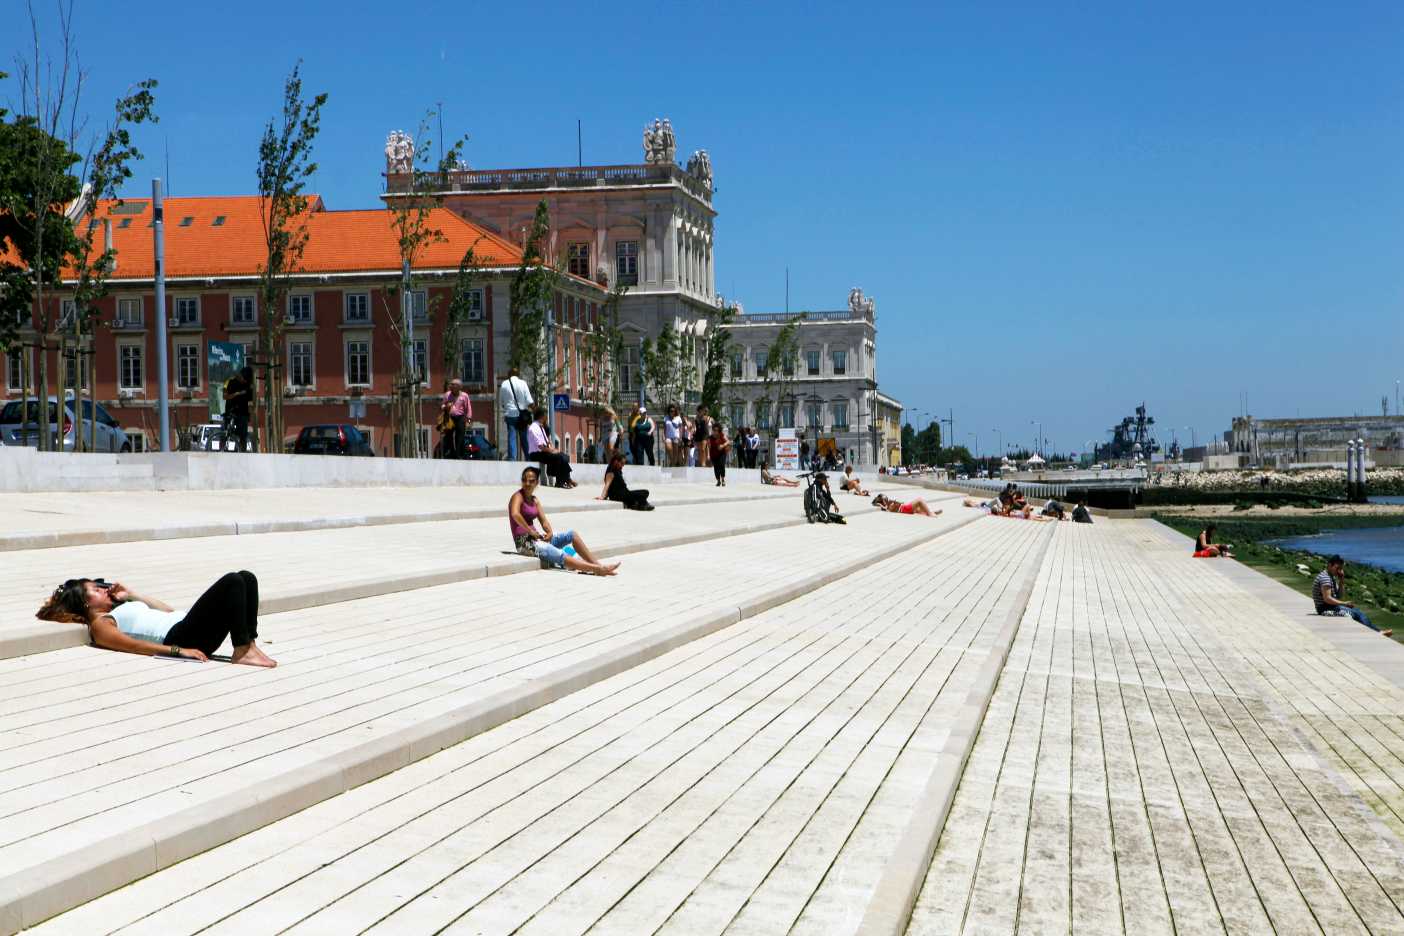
(576, 564)
(589, 563)
(250, 655)
(923, 509)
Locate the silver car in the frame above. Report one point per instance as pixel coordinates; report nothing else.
(15, 430)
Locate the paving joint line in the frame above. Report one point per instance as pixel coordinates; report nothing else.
(894, 896)
(36, 894)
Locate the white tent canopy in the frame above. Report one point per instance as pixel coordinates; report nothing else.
(1035, 460)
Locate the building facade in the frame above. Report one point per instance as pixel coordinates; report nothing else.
(648, 226)
(339, 349)
(828, 392)
(1316, 441)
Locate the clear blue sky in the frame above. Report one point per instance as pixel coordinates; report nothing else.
(1061, 209)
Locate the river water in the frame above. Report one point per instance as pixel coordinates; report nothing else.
(1382, 547)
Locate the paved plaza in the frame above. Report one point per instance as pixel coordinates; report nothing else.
(962, 724)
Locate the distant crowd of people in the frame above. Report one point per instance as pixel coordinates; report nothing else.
(1011, 502)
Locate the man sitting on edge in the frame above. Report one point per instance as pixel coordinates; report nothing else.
(1328, 593)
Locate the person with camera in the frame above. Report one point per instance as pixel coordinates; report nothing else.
(118, 618)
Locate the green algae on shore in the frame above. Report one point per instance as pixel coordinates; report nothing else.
(1378, 592)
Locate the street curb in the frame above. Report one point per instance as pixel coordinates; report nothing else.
(36, 894)
(890, 908)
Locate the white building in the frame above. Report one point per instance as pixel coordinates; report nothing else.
(833, 394)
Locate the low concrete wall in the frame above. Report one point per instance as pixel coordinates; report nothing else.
(26, 470)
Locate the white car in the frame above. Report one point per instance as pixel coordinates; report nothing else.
(15, 430)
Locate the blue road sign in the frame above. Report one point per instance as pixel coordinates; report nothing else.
(560, 402)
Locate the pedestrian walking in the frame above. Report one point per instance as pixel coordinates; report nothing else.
(514, 398)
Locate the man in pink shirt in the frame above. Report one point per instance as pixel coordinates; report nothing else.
(460, 409)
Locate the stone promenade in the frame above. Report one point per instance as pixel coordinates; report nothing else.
(954, 725)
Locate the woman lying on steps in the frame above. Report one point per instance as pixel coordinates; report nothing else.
(524, 511)
(119, 619)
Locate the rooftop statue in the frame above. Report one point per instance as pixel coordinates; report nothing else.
(660, 146)
(399, 152)
(859, 304)
(700, 168)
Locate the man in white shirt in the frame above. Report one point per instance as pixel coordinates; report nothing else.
(514, 396)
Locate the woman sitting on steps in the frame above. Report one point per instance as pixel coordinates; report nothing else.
(119, 619)
(524, 512)
(616, 490)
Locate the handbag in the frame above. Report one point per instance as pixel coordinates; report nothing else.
(445, 422)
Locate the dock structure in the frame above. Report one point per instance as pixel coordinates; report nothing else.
(959, 724)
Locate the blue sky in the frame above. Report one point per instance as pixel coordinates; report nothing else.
(1061, 209)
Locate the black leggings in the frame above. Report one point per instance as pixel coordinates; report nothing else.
(719, 467)
(633, 499)
(228, 608)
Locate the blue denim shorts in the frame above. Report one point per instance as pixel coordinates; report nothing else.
(552, 554)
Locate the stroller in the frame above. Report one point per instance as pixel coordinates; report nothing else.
(819, 506)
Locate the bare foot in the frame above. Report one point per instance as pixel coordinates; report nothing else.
(609, 569)
(252, 656)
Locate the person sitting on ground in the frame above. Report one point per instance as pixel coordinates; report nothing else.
(917, 506)
(1054, 510)
(120, 619)
(524, 512)
(826, 493)
(850, 482)
(775, 479)
(1206, 548)
(616, 490)
(1328, 594)
(540, 449)
(1080, 513)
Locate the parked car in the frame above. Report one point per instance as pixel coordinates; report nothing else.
(332, 439)
(479, 447)
(15, 430)
(475, 446)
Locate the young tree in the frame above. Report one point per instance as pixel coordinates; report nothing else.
(284, 166)
(459, 307)
(531, 297)
(412, 217)
(667, 366)
(778, 375)
(41, 194)
(715, 376)
(601, 350)
(105, 169)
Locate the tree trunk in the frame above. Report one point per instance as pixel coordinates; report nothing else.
(24, 388)
(92, 393)
(43, 391)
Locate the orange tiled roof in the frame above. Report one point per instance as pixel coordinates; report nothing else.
(338, 241)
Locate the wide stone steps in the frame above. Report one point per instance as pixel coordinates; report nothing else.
(754, 779)
(316, 566)
(116, 765)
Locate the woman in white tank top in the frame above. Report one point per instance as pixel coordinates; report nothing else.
(120, 619)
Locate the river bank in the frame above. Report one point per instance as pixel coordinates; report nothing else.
(1378, 592)
(1317, 482)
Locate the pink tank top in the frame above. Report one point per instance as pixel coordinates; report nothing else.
(530, 512)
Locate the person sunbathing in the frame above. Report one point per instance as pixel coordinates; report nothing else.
(850, 482)
(120, 619)
(917, 506)
(524, 512)
(777, 480)
(1206, 548)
